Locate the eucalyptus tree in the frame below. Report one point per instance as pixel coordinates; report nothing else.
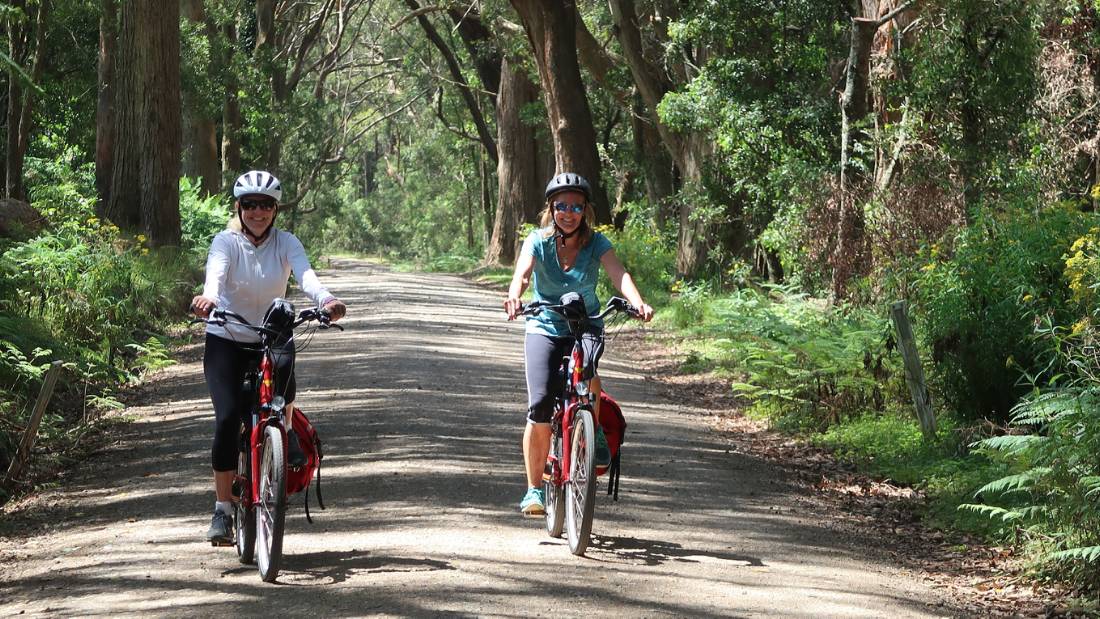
(551, 30)
(145, 162)
(26, 32)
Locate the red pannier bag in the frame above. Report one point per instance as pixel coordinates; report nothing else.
(614, 429)
(298, 479)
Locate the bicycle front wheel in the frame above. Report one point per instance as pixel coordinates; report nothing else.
(271, 508)
(580, 490)
(552, 489)
(245, 518)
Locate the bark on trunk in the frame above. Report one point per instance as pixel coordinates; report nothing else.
(145, 181)
(551, 30)
(481, 46)
(231, 114)
(689, 151)
(660, 178)
(854, 107)
(104, 125)
(201, 140)
(20, 100)
(854, 100)
(468, 95)
(517, 168)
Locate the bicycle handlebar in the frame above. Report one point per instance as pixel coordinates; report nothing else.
(614, 304)
(219, 317)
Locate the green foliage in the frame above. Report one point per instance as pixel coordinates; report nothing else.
(811, 365)
(83, 292)
(647, 256)
(201, 218)
(1051, 492)
(890, 445)
(976, 307)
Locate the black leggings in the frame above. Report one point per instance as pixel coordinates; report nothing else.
(225, 363)
(543, 354)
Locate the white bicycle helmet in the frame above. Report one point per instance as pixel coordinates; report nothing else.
(258, 182)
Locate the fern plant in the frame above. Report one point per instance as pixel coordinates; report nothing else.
(1052, 497)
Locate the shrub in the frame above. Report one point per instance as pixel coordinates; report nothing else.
(1052, 494)
(977, 306)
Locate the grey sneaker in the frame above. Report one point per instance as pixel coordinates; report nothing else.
(220, 532)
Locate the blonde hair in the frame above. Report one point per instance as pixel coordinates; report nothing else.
(585, 231)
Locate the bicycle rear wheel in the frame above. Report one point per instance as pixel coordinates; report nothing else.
(552, 490)
(580, 490)
(244, 518)
(271, 509)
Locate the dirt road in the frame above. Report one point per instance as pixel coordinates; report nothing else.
(420, 406)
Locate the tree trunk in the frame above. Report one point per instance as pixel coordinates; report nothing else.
(551, 30)
(266, 50)
(464, 89)
(692, 239)
(105, 123)
(20, 99)
(660, 178)
(146, 164)
(201, 139)
(517, 168)
(689, 151)
(854, 102)
(854, 106)
(481, 47)
(231, 113)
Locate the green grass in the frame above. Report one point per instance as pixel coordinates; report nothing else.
(890, 446)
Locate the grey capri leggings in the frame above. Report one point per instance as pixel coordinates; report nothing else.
(543, 355)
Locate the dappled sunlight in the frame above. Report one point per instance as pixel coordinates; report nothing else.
(420, 407)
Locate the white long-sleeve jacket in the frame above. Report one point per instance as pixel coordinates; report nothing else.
(244, 278)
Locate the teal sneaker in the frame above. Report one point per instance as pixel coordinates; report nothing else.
(603, 452)
(532, 503)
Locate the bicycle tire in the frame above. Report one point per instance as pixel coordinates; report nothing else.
(245, 518)
(552, 492)
(580, 495)
(271, 507)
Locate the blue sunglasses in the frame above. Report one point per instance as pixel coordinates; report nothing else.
(564, 207)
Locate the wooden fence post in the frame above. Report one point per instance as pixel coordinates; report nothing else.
(914, 373)
(23, 454)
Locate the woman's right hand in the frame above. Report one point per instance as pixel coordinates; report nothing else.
(512, 306)
(202, 306)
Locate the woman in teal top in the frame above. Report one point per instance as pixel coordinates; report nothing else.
(563, 256)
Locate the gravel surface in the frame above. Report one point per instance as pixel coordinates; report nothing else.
(420, 406)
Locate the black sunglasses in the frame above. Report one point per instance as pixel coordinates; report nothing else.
(563, 207)
(249, 204)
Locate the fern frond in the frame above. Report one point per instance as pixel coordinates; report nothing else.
(1019, 482)
(1089, 554)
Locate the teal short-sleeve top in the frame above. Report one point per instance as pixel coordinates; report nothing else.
(550, 281)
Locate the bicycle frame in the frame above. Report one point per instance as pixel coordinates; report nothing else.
(262, 417)
(568, 404)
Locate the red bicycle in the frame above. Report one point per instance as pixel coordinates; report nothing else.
(261, 499)
(569, 483)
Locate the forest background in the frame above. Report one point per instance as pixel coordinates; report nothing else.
(775, 173)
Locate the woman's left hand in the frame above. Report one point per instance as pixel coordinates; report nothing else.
(645, 312)
(336, 309)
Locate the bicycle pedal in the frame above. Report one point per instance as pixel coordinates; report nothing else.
(221, 543)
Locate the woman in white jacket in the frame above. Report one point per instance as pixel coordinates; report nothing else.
(249, 265)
